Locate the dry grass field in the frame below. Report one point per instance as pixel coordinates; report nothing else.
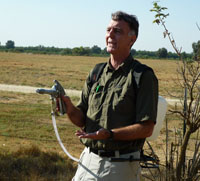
(25, 119)
(71, 71)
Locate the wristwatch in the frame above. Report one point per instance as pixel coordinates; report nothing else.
(111, 135)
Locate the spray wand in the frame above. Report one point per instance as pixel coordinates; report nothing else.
(56, 93)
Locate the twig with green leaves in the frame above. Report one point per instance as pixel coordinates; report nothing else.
(159, 19)
(189, 73)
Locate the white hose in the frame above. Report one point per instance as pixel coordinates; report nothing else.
(59, 140)
(65, 150)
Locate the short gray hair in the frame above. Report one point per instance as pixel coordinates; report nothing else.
(130, 19)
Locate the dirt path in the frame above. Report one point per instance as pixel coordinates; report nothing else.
(29, 89)
(70, 92)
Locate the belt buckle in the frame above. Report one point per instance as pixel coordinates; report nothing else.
(101, 154)
(100, 151)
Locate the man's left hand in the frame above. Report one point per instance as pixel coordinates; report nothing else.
(101, 134)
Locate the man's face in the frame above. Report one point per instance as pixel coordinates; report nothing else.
(118, 40)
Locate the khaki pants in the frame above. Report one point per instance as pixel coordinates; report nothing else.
(96, 168)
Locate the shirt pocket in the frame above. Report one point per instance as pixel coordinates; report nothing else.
(95, 97)
(123, 100)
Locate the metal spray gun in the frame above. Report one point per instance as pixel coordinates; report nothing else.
(56, 92)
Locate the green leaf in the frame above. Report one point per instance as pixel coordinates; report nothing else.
(153, 10)
(167, 15)
(160, 14)
(164, 8)
(156, 21)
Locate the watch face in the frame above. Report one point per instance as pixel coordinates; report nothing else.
(111, 134)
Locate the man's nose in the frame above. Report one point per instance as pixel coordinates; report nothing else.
(110, 33)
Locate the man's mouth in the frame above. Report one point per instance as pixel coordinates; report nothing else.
(111, 43)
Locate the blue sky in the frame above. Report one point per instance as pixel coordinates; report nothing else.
(75, 23)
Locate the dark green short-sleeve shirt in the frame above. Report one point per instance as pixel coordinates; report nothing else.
(112, 102)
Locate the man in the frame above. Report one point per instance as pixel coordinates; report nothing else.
(114, 120)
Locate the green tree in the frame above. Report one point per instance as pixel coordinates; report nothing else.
(66, 51)
(172, 55)
(81, 51)
(162, 53)
(104, 52)
(95, 50)
(10, 44)
(133, 52)
(184, 55)
(196, 50)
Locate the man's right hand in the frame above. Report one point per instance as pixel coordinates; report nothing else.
(67, 103)
(75, 115)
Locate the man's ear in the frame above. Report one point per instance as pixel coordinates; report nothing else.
(133, 39)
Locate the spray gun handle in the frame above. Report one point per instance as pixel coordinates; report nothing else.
(62, 106)
(61, 92)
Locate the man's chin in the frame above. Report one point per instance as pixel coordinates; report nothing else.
(110, 50)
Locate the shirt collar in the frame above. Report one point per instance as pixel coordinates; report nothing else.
(125, 66)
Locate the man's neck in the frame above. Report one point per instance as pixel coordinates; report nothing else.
(116, 61)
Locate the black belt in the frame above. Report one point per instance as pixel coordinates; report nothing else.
(103, 153)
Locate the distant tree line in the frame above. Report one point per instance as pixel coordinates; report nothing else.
(161, 53)
(196, 50)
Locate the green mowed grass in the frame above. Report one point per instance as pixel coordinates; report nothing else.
(29, 149)
(31, 120)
